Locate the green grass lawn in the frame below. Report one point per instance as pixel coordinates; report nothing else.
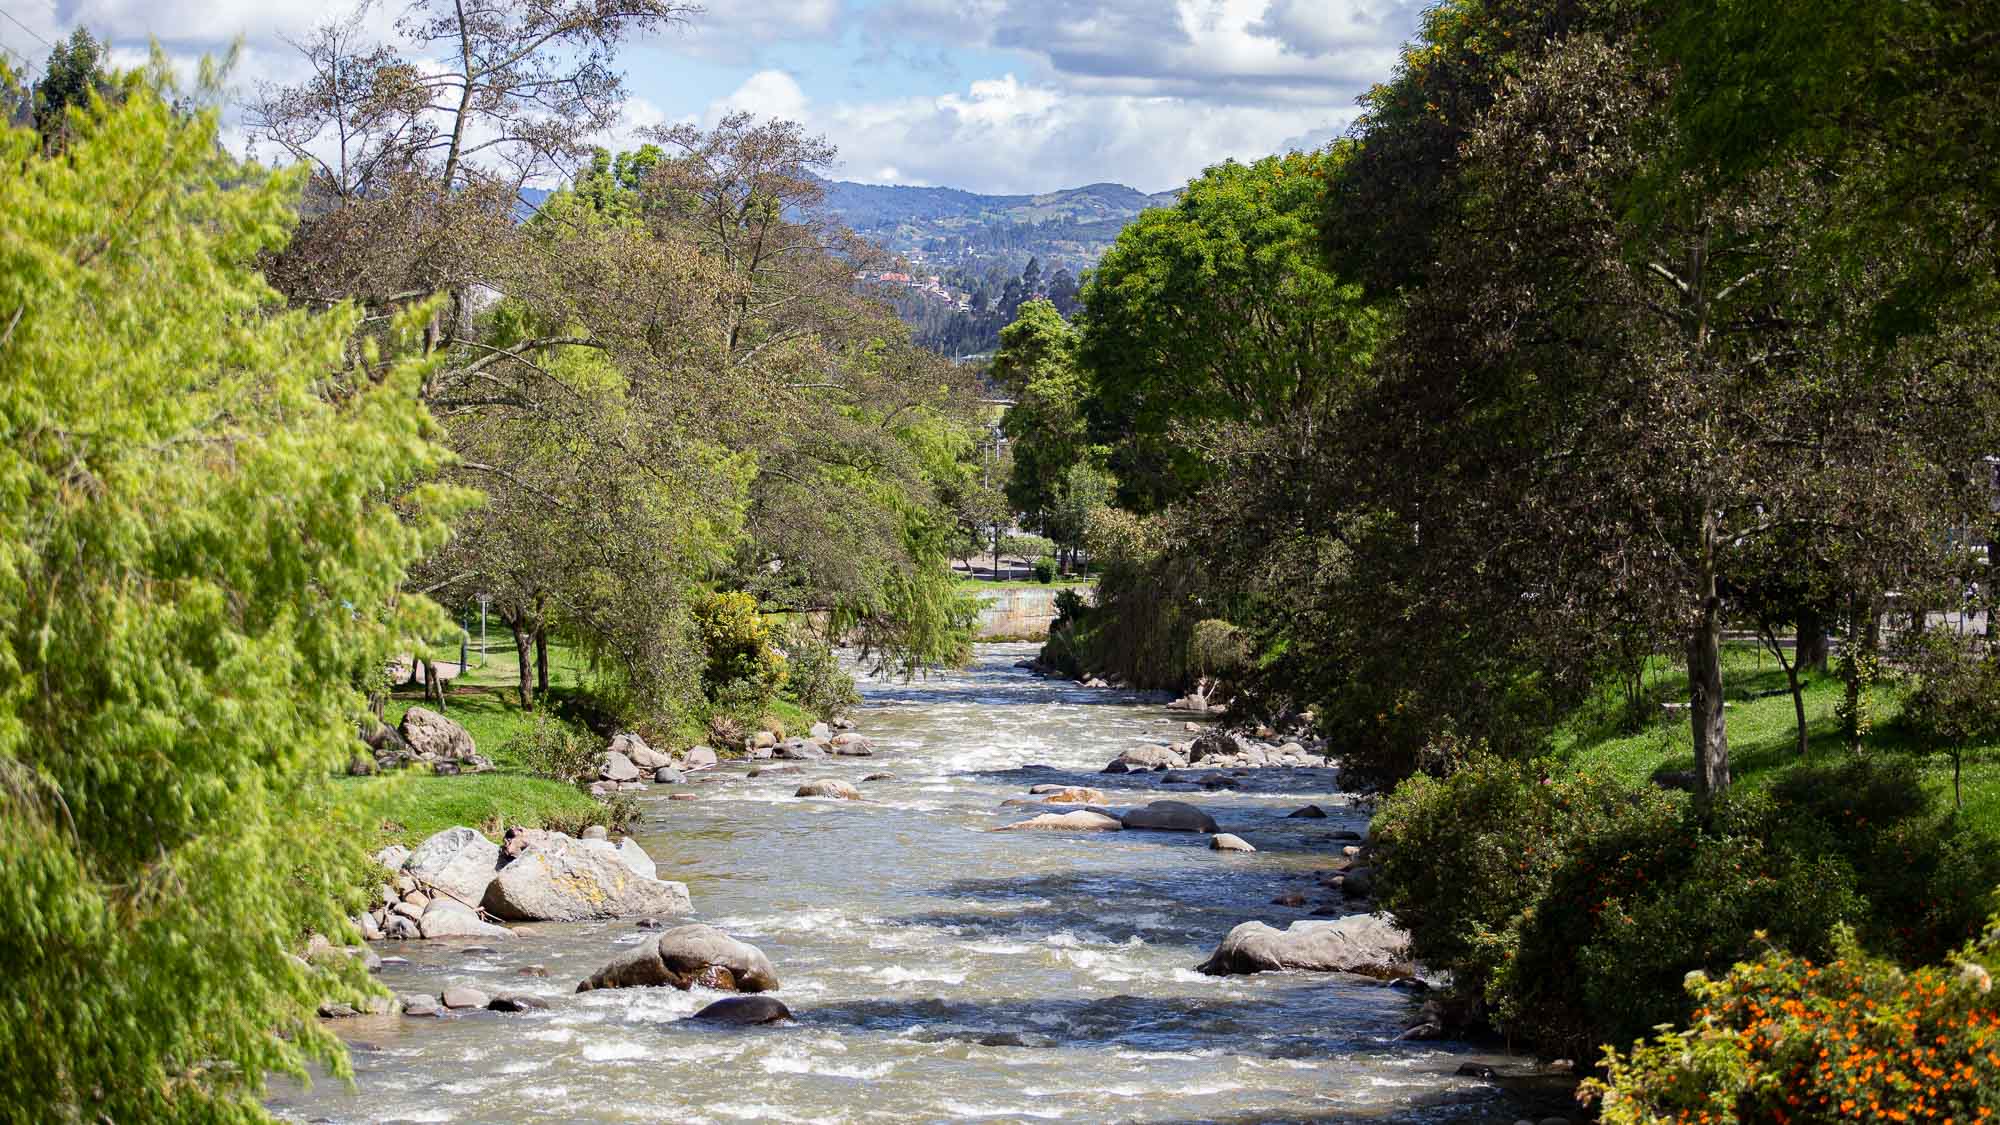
(1762, 735)
(406, 808)
(974, 585)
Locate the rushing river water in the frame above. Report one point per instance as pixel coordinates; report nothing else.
(938, 971)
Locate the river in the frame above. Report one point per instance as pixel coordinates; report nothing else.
(938, 971)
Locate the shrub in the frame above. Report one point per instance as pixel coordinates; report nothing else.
(736, 642)
(1568, 908)
(1045, 570)
(556, 750)
(1787, 1039)
(814, 677)
(1956, 703)
(1217, 648)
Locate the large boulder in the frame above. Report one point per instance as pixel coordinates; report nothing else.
(445, 918)
(614, 766)
(853, 746)
(684, 957)
(698, 758)
(433, 737)
(745, 1011)
(628, 852)
(828, 787)
(1170, 816)
(635, 750)
(1082, 820)
(1152, 758)
(457, 861)
(1214, 744)
(1369, 944)
(558, 879)
(798, 749)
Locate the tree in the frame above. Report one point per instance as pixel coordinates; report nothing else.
(1220, 308)
(1045, 427)
(74, 72)
(1063, 293)
(1602, 414)
(199, 561)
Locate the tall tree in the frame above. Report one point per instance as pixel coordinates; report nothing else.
(74, 72)
(199, 561)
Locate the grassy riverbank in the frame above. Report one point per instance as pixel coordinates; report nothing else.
(1763, 748)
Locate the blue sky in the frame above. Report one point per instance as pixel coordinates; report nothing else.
(989, 95)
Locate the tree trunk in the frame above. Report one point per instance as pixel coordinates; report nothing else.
(1711, 739)
(1810, 651)
(522, 643)
(542, 658)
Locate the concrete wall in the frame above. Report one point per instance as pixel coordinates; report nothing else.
(1022, 611)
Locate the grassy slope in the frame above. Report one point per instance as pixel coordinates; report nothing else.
(1762, 739)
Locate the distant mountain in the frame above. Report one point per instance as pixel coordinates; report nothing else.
(944, 228)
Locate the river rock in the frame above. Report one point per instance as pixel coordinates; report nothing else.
(1152, 758)
(433, 737)
(596, 832)
(880, 777)
(1073, 795)
(745, 1011)
(1370, 944)
(628, 852)
(1170, 816)
(668, 775)
(398, 928)
(853, 746)
(1213, 744)
(458, 861)
(820, 732)
(614, 766)
(558, 879)
(418, 1005)
(392, 857)
(1310, 812)
(798, 750)
(1359, 882)
(1081, 820)
(698, 758)
(1225, 842)
(828, 787)
(635, 750)
(447, 918)
(516, 1002)
(461, 997)
(684, 957)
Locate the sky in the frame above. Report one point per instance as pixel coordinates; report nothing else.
(1000, 96)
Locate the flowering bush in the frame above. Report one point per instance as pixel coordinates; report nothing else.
(1785, 1039)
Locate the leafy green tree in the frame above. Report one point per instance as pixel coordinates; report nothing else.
(199, 561)
(1220, 308)
(1045, 427)
(74, 72)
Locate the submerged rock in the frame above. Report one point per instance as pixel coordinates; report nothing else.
(1081, 820)
(1070, 795)
(745, 1011)
(1310, 812)
(828, 787)
(1170, 816)
(1369, 944)
(684, 957)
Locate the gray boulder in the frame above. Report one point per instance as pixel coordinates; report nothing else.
(392, 856)
(628, 852)
(461, 997)
(828, 787)
(745, 1011)
(1310, 812)
(617, 767)
(448, 919)
(635, 749)
(1170, 816)
(853, 746)
(668, 775)
(798, 749)
(1082, 820)
(1369, 944)
(433, 737)
(684, 957)
(419, 1005)
(1152, 758)
(558, 879)
(1225, 842)
(1213, 744)
(820, 732)
(458, 861)
(698, 758)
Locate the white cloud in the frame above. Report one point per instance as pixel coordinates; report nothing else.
(739, 30)
(767, 93)
(1007, 135)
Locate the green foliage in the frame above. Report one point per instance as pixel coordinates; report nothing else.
(73, 75)
(1858, 670)
(1570, 906)
(737, 643)
(814, 676)
(1045, 571)
(1787, 1038)
(553, 749)
(1217, 648)
(198, 560)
